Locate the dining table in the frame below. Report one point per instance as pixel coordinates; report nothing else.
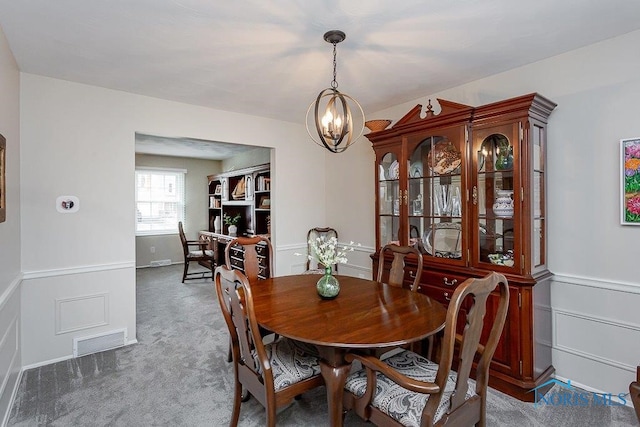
(365, 315)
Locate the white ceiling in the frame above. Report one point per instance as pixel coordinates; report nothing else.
(268, 58)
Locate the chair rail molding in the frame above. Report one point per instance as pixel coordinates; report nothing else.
(37, 274)
(632, 288)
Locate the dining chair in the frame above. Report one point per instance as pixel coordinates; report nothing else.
(397, 271)
(201, 255)
(274, 373)
(398, 266)
(634, 391)
(408, 389)
(313, 265)
(257, 257)
(256, 263)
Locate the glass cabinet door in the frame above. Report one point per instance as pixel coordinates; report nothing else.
(389, 199)
(495, 197)
(435, 204)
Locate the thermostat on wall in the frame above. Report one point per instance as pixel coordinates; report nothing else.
(67, 204)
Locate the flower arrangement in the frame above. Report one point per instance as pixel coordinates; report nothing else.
(328, 252)
(231, 220)
(632, 181)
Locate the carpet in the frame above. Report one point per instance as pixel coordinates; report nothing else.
(177, 375)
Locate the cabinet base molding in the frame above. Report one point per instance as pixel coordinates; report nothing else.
(522, 390)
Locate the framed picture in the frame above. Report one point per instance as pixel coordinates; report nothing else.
(3, 199)
(265, 202)
(630, 181)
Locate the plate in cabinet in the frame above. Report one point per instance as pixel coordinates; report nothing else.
(444, 240)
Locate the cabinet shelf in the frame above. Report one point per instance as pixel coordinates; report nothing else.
(236, 194)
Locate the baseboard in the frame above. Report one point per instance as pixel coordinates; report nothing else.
(67, 357)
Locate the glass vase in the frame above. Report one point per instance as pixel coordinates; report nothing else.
(328, 286)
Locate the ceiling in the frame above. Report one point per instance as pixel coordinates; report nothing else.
(268, 58)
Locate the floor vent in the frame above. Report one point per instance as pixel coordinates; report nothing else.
(160, 262)
(96, 343)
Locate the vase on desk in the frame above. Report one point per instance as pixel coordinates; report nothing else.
(233, 230)
(217, 223)
(328, 286)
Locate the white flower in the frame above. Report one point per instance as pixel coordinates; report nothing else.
(327, 251)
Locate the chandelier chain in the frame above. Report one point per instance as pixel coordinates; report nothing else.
(334, 82)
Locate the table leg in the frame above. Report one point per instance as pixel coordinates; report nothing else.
(334, 369)
(334, 379)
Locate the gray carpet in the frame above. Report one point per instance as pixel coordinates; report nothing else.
(177, 376)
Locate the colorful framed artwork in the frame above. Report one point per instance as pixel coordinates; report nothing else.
(3, 187)
(630, 181)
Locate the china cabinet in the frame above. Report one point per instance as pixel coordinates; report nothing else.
(466, 186)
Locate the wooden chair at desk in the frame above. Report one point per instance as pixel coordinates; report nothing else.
(273, 373)
(202, 254)
(380, 392)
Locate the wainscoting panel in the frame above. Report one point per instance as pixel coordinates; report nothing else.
(10, 355)
(84, 312)
(596, 332)
(60, 305)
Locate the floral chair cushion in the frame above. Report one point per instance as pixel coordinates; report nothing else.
(291, 362)
(399, 403)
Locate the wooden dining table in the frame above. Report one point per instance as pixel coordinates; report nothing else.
(365, 315)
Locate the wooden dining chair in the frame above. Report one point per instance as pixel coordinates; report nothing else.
(202, 255)
(408, 389)
(256, 262)
(257, 257)
(393, 271)
(397, 267)
(634, 391)
(313, 266)
(274, 373)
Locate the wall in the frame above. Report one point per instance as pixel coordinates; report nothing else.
(596, 292)
(81, 141)
(168, 246)
(10, 233)
(257, 156)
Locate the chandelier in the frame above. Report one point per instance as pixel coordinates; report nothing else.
(333, 117)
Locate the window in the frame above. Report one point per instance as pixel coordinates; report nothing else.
(160, 201)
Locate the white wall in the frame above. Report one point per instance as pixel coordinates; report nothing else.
(168, 246)
(79, 140)
(596, 293)
(10, 272)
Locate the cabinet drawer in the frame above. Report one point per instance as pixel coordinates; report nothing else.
(236, 263)
(445, 280)
(443, 296)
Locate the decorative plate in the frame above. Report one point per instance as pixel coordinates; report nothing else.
(394, 170)
(444, 240)
(444, 158)
(415, 171)
(505, 259)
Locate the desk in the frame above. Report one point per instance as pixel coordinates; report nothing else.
(365, 315)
